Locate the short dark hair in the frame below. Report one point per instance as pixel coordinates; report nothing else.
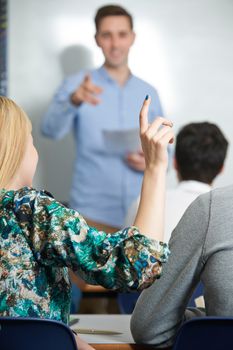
(111, 10)
(200, 151)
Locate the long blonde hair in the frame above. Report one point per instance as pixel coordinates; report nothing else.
(15, 128)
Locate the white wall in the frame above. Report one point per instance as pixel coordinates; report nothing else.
(184, 48)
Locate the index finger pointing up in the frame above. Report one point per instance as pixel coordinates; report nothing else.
(144, 115)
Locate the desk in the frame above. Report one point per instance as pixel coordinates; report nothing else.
(118, 323)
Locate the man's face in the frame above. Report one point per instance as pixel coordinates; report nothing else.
(115, 37)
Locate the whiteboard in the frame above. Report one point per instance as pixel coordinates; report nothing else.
(183, 48)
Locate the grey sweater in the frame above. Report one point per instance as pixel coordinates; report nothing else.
(201, 249)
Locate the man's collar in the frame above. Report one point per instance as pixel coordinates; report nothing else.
(104, 73)
(194, 186)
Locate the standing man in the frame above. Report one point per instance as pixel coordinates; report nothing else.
(107, 98)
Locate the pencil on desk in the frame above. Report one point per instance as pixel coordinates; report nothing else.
(95, 331)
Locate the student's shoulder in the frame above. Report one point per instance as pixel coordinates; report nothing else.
(223, 192)
(31, 191)
(216, 203)
(28, 196)
(222, 197)
(219, 196)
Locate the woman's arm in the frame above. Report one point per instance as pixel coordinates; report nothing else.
(154, 138)
(58, 236)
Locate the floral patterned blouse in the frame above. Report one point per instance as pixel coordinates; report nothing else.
(40, 239)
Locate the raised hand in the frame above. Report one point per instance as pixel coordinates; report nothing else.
(86, 92)
(155, 137)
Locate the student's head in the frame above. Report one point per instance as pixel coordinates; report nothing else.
(200, 152)
(114, 34)
(18, 157)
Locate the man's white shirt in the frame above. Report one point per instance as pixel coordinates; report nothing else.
(177, 201)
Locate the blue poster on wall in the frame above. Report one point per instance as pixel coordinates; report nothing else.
(3, 47)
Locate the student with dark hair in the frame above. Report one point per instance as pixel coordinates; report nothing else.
(201, 245)
(200, 152)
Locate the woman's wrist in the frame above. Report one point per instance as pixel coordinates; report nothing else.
(155, 171)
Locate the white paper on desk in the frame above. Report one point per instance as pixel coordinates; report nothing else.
(121, 142)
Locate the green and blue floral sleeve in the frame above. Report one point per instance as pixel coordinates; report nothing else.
(125, 260)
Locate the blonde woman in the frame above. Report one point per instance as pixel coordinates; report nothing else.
(40, 238)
